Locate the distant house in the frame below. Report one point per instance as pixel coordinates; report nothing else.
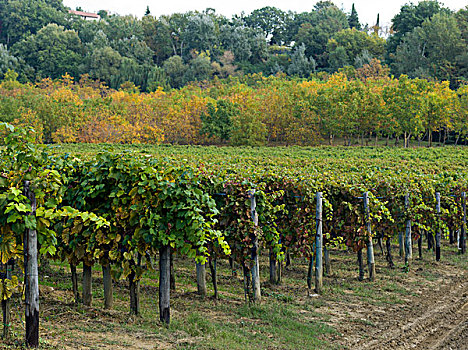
(86, 15)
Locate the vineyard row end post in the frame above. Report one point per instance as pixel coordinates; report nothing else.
(370, 247)
(408, 242)
(31, 278)
(462, 239)
(438, 232)
(257, 296)
(318, 246)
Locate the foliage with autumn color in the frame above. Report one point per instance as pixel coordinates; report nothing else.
(359, 106)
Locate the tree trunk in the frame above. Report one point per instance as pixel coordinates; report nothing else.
(430, 138)
(326, 257)
(288, 259)
(134, 287)
(273, 269)
(164, 284)
(400, 244)
(389, 253)
(172, 282)
(310, 272)
(380, 243)
(108, 287)
(6, 307)
(74, 278)
(201, 279)
(233, 267)
(247, 293)
(214, 277)
(361, 265)
(87, 285)
(420, 246)
(430, 240)
(280, 271)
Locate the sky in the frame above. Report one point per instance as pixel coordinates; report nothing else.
(366, 9)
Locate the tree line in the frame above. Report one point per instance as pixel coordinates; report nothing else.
(41, 39)
(362, 106)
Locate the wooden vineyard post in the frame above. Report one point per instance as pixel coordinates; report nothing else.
(400, 243)
(108, 287)
(165, 284)
(370, 247)
(408, 245)
(74, 283)
(257, 296)
(462, 237)
(6, 306)
(318, 245)
(87, 285)
(31, 279)
(438, 233)
(201, 279)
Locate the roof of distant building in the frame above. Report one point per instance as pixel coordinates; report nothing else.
(84, 14)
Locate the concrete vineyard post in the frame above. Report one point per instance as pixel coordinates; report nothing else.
(318, 245)
(408, 242)
(257, 296)
(462, 237)
(370, 247)
(31, 280)
(438, 233)
(164, 284)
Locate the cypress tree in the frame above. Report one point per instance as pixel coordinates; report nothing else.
(353, 19)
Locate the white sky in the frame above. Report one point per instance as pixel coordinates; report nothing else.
(366, 9)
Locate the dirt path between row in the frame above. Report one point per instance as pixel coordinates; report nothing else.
(435, 319)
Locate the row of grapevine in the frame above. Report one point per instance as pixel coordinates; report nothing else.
(125, 209)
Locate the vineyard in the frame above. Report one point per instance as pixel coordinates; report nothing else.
(140, 211)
